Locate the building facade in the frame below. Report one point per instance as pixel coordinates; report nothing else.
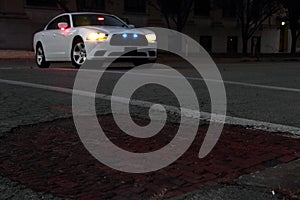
(217, 30)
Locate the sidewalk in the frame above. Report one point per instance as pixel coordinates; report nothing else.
(50, 158)
(279, 182)
(16, 55)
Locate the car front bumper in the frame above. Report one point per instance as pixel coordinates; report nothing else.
(104, 50)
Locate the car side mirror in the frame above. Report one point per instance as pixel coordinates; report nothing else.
(131, 26)
(126, 20)
(62, 25)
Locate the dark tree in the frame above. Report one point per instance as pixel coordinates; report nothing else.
(174, 11)
(251, 14)
(293, 9)
(80, 5)
(88, 5)
(62, 4)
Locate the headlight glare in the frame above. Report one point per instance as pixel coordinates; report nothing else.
(151, 38)
(97, 36)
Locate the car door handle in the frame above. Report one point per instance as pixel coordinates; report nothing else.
(54, 35)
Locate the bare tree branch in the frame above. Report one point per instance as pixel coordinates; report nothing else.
(62, 4)
(293, 8)
(177, 11)
(252, 14)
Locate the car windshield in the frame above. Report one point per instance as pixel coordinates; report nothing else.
(96, 20)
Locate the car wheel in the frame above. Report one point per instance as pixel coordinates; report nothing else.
(40, 57)
(142, 62)
(78, 54)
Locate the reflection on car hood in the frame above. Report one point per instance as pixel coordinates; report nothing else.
(118, 29)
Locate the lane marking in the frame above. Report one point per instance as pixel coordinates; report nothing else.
(266, 126)
(237, 83)
(225, 82)
(277, 88)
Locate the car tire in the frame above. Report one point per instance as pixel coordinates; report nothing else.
(40, 58)
(142, 62)
(78, 53)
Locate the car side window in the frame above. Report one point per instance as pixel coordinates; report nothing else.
(54, 24)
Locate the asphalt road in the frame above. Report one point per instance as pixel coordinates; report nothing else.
(267, 92)
(262, 92)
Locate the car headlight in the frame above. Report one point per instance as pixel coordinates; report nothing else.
(97, 36)
(151, 38)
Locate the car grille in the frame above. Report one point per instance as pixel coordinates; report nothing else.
(132, 54)
(118, 40)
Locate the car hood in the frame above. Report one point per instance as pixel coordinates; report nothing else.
(117, 29)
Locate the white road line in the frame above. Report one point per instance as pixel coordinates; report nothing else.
(266, 126)
(225, 82)
(284, 89)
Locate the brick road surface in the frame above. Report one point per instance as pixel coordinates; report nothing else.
(49, 157)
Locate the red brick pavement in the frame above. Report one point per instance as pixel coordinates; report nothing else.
(49, 157)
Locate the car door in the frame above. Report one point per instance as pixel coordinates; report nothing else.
(47, 39)
(56, 40)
